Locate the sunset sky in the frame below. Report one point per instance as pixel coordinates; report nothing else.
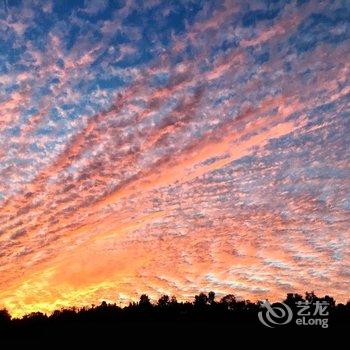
(173, 147)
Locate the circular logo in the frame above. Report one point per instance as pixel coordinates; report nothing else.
(276, 315)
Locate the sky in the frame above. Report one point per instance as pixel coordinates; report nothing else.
(173, 147)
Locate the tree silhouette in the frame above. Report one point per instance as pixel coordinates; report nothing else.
(292, 299)
(201, 300)
(5, 317)
(167, 312)
(163, 301)
(211, 298)
(145, 301)
(229, 301)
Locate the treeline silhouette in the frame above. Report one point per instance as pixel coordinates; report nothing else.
(204, 312)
